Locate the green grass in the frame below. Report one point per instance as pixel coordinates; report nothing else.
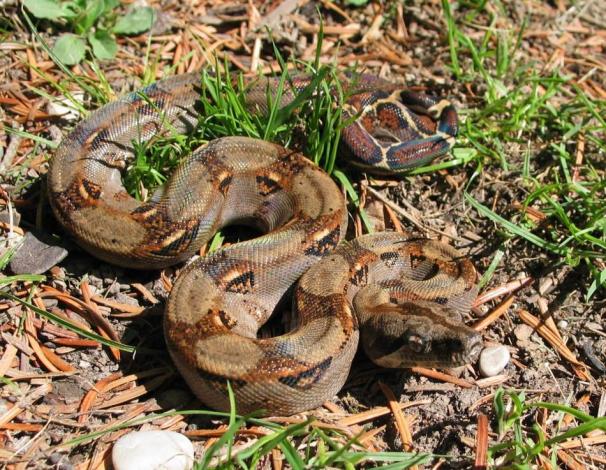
(531, 123)
(86, 84)
(316, 112)
(522, 439)
(303, 445)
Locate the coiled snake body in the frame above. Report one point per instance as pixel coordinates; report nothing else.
(403, 296)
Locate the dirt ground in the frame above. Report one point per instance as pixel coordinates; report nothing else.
(556, 338)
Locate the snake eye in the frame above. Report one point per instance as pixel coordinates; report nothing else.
(416, 343)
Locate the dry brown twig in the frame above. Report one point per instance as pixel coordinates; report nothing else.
(553, 338)
(401, 421)
(481, 444)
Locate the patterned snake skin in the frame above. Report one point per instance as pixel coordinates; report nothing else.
(403, 297)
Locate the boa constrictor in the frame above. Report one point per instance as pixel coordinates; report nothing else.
(404, 296)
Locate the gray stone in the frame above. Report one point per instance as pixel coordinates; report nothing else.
(493, 360)
(95, 282)
(36, 256)
(113, 287)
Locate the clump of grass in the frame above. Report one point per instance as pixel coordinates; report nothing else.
(523, 442)
(223, 112)
(543, 129)
(154, 161)
(315, 112)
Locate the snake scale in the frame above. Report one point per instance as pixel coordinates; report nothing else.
(402, 297)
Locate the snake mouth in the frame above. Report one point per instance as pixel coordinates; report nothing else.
(470, 352)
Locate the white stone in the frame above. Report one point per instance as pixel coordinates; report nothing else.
(153, 450)
(65, 108)
(493, 360)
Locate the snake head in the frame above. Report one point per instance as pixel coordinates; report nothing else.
(418, 334)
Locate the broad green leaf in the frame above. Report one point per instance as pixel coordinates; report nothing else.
(110, 5)
(94, 9)
(356, 3)
(47, 9)
(103, 44)
(69, 49)
(70, 10)
(136, 21)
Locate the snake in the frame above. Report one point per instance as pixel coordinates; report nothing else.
(401, 296)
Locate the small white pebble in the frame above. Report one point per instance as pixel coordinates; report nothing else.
(65, 108)
(562, 324)
(153, 450)
(493, 360)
